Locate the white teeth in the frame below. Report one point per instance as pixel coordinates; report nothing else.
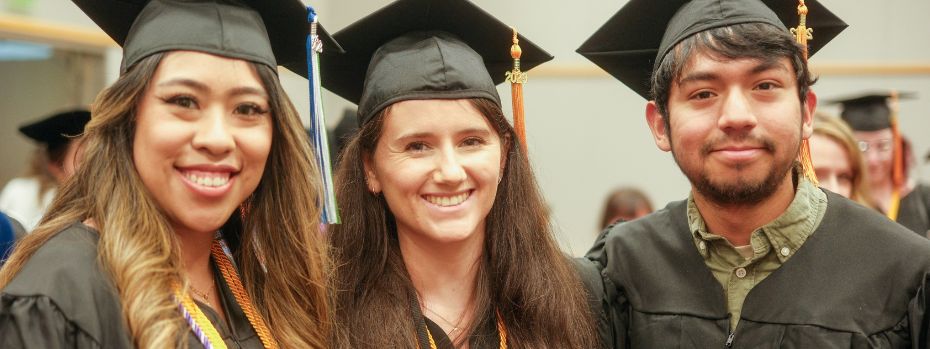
(215, 180)
(446, 201)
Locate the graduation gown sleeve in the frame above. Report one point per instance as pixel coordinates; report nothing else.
(36, 322)
(608, 303)
(61, 299)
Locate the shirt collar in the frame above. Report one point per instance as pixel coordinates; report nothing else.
(786, 233)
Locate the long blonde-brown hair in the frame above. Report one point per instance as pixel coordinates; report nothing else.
(141, 253)
(522, 273)
(835, 129)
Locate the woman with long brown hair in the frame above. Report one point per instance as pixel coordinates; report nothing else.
(193, 219)
(446, 243)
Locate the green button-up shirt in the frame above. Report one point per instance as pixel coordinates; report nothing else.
(772, 245)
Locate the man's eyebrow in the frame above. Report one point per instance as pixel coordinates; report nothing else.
(698, 76)
(767, 65)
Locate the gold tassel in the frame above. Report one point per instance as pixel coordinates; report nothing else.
(802, 34)
(517, 78)
(897, 170)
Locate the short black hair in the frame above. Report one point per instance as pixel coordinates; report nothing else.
(747, 40)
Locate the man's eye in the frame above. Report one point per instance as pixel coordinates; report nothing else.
(702, 95)
(766, 86)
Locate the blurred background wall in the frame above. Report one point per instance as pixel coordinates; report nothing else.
(586, 131)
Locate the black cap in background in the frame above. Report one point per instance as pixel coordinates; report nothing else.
(867, 111)
(57, 128)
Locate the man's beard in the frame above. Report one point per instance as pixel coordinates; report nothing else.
(742, 191)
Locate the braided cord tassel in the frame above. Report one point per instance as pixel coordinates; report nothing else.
(224, 262)
(330, 210)
(501, 330)
(197, 321)
(802, 34)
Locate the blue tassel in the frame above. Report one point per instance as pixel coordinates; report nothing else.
(330, 214)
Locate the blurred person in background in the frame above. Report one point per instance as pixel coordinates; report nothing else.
(626, 204)
(894, 190)
(10, 232)
(837, 159)
(59, 138)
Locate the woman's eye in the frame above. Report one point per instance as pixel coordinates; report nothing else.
(249, 109)
(182, 101)
(473, 141)
(416, 147)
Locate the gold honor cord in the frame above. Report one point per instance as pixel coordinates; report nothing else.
(517, 78)
(501, 332)
(802, 34)
(201, 326)
(897, 170)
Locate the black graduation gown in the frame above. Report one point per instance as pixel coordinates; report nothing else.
(62, 299)
(914, 210)
(857, 282)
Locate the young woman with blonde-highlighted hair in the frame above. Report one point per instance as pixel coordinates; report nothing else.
(193, 220)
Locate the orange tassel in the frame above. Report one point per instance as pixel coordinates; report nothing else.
(519, 123)
(517, 78)
(807, 164)
(802, 34)
(897, 170)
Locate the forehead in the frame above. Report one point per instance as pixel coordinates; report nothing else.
(874, 135)
(704, 59)
(828, 152)
(433, 116)
(200, 65)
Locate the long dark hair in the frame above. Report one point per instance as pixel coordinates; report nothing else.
(522, 273)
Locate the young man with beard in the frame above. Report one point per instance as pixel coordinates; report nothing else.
(757, 256)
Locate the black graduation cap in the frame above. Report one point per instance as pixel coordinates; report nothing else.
(424, 49)
(57, 128)
(632, 42)
(867, 111)
(271, 32)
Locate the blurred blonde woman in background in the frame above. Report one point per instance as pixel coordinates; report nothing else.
(837, 159)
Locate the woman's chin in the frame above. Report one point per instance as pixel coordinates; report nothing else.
(204, 224)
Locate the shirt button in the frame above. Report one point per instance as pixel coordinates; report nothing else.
(785, 251)
(702, 245)
(741, 272)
